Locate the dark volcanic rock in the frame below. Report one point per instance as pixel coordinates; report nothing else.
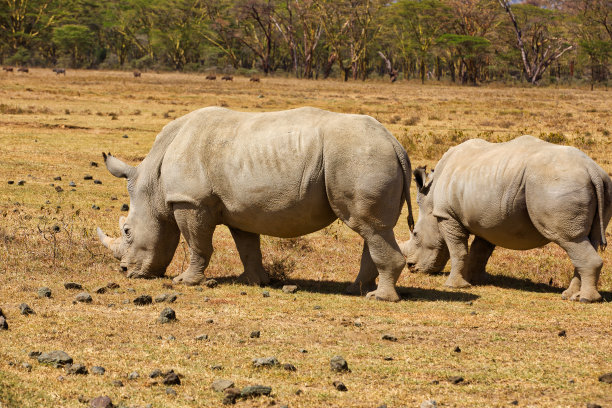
(73, 285)
(83, 297)
(25, 309)
(143, 300)
(171, 378)
(167, 315)
(606, 378)
(455, 379)
(457, 349)
(3, 323)
(388, 337)
(255, 391)
(34, 354)
(340, 386)
(221, 385)
(593, 405)
(562, 333)
(155, 373)
(118, 383)
(255, 334)
(72, 184)
(44, 292)
(21, 182)
(170, 391)
(100, 290)
(112, 285)
(77, 369)
(97, 182)
(265, 293)
(265, 362)
(58, 358)
(202, 337)
(289, 367)
(125, 207)
(88, 177)
(338, 363)
(101, 402)
(230, 395)
(98, 370)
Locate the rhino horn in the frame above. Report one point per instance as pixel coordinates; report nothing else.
(118, 168)
(110, 243)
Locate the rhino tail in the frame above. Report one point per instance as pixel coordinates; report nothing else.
(599, 191)
(402, 157)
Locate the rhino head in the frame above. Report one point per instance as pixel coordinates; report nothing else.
(426, 250)
(148, 235)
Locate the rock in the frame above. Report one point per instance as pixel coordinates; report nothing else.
(93, 164)
(167, 315)
(170, 337)
(125, 136)
(143, 300)
(118, 383)
(44, 292)
(131, 290)
(221, 385)
(100, 290)
(255, 334)
(202, 337)
(27, 366)
(59, 189)
(265, 362)
(72, 285)
(72, 184)
(95, 207)
(562, 333)
(112, 285)
(88, 177)
(77, 369)
(210, 321)
(606, 378)
(101, 402)
(216, 367)
(125, 207)
(428, 404)
(593, 405)
(243, 293)
(97, 182)
(289, 367)
(25, 309)
(265, 293)
(21, 182)
(230, 395)
(455, 379)
(11, 181)
(358, 323)
(211, 283)
(97, 370)
(166, 297)
(34, 354)
(338, 363)
(457, 350)
(171, 378)
(290, 288)
(340, 386)
(170, 391)
(255, 391)
(155, 373)
(388, 358)
(133, 375)
(303, 350)
(514, 402)
(388, 337)
(83, 297)
(58, 178)
(83, 400)
(57, 358)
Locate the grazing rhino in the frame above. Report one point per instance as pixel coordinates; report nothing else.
(283, 174)
(519, 195)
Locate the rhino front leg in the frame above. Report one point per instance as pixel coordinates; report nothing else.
(480, 252)
(588, 266)
(366, 279)
(389, 262)
(249, 248)
(456, 238)
(573, 288)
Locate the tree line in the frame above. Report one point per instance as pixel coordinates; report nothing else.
(464, 41)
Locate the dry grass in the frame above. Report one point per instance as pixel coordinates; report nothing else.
(507, 331)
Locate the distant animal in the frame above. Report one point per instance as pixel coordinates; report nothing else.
(254, 79)
(7, 69)
(211, 77)
(59, 71)
(227, 78)
(23, 69)
(137, 74)
(519, 195)
(283, 174)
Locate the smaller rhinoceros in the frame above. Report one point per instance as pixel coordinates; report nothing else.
(519, 195)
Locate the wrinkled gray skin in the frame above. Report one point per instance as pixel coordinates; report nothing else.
(519, 195)
(283, 174)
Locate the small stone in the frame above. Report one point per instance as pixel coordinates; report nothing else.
(290, 288)
(133, 375)
(100, 290)
(289, 367)
(216, 367)
(167, 315)
(101, 402)
(202, 337)
(243, 293)
(303, 350)
(34, 354)
(429, 404)
(72, 285)
(93, 164)
(82, 399)
(340, 386)
(562, 333)
(473, 313)
(357, 323)
(113, 198)
(59, 189)
(95, 207)
(265, 293)
(125, 207)
(97, 182)
(155, 373)
(255, 334)
(388, 358)
(255, 391)
(44, 292)
(27, 366)
(125, 136)
(593, 405)
(210, 321)
(230, 395)
(118, 383)
(265, 362)
(77, 369)
(25, 309)
(221, 385)
(83, 297)
(457, 349)
(171, 378)
(72, 184)
(171, 392)
(57, 358)
(338, 363)
(606, 378)
(211, 283)
(317, 307)
(455, 379)
(388, 337)
(21, 182)
(58, 178)
(88, 177)
(112, 285)
(97, 370)
(11, 182)
(131, 290)
(56, 228)
(143, 300)
(514, 402)
(60, 378)
(170, 338)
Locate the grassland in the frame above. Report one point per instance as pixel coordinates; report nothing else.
(507, 331)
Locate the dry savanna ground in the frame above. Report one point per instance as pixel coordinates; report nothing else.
(508, 332)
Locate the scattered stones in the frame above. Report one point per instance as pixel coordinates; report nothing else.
(72, 184)
(265, 362)
(165, 297)
(125, 207)
(72, 285)
(100, 290)
(429, 404)
(133, 375)
(21, 182)
(34, 354)
(83, 297)
(167, 315)
(44, 292)
(97, 370)
(388, 337)
(88, 177)
(606, 378)
(171, 392)
(101, 402)
(25, 309)
(171, 378)
(211, 283)
(255, 334)
(339, 385)
(112, 285)
(221, 385)
(338, 363)
(202, 337)
(57, 358)
(97, 182)
(118, 383)
(155, 373)
(455, 379)
(143, 300)
(290, 288)
(77, 369)
(265, 293)
(457, 349)
(562, 333)
(230, 395)
(59, 189)
(289, 367)
(255, 391)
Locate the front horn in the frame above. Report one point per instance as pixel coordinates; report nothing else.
(110, 243)
(118, 168)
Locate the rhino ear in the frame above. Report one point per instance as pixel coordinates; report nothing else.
(420, 177)
(118, 168)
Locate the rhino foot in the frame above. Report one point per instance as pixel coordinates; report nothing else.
(586, 298)
(456, 282)
(189, 279)
(359, 288)
(256, 279)
(386, 295)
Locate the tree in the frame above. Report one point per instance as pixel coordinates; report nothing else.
(257, 30)
(23, 21)
(74, 39)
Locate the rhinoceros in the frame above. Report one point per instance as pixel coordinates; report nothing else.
(520, 194)
(282, 174)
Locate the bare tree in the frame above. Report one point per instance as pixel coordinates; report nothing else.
(390, 70)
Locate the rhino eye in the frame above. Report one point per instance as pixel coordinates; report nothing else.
(126, 230)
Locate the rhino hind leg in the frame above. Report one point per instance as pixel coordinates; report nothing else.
(389, 262)
(249, 249)
(366, 279)
(456, 238)
(588, 266)
(480, 252)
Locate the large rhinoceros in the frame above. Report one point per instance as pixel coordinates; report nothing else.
(282, 174)
(520, 195)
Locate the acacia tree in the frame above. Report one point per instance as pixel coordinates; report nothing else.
(23, 21)
(257, 30)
